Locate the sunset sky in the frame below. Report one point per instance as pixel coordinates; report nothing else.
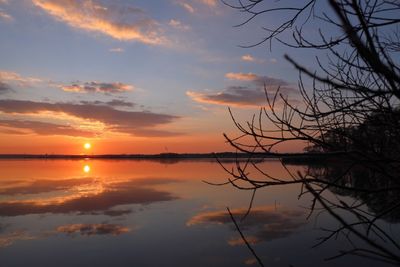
(131, 76)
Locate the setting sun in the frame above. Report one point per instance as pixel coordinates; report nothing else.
(87, 146)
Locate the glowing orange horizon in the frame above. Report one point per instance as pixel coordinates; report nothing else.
(206, 143)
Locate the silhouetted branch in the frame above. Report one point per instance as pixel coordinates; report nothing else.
(349, 118)
(244, 239)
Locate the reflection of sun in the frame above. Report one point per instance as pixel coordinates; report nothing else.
(86, 168)
(87, 146)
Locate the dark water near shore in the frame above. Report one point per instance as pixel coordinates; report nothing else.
(148, 213)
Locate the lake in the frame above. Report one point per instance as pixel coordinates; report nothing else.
(155, 213)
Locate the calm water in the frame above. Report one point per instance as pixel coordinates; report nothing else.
(144, 213)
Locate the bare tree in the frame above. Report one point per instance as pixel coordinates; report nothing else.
(349, 119)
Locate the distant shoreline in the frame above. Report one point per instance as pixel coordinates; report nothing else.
(286, 158)
(220, 155)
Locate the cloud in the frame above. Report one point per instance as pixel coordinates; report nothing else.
(236, 96)
(189, 8)
(251, 261)
(5, 16)
(93, 229)
(9, 80)
(116, 213)
(4, 88)
(133, 122)
(192, 6)
(97, 87)
(248, 57)
(261, 225)
(210, 3)
(9, 239)
(251, 94)
(116, 50)
(125, 23)
(178, 25)
(112, 103)
(9, 76)
(102, 198)
(45, 128)
(241, 76)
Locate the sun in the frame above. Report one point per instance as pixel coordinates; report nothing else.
(87, 146)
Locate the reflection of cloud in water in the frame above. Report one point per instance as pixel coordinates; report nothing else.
(262, 224)
(250, 261)
(93, 229)
(87, 196)
(70, 229)
(9, 239)
(43, 186)
(239, 241)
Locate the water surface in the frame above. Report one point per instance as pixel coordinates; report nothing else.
(149, 213)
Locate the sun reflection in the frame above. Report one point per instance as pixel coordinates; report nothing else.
(86, 168)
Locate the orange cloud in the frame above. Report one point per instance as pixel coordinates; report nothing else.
(138, 123)
(101, 87)
(186, 6)
(122, 23)
(9, 76)
(192, 6)
(210, 3)
(241, 76)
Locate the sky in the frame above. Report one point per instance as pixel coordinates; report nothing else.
(131, 76)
